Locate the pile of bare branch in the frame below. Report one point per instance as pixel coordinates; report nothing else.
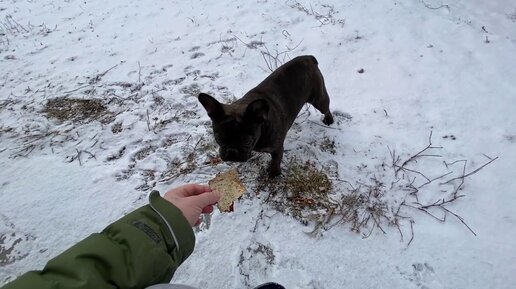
(438, 208)
(325, 18)
(388, 197)
(445, 188)
(9, 27)
(39, 137)
(276, 58)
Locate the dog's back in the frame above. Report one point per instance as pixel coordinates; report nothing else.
(289, 87)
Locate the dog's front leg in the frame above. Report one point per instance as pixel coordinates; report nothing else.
(275, 165)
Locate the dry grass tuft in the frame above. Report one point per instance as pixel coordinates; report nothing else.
(304, 191)
(310, 196)
(77, 110)
(306, 180)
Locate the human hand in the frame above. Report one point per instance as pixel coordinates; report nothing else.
(193, 200)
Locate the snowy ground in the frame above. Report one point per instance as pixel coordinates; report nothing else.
(428, 66)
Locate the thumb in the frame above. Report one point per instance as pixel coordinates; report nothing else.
(206, 199)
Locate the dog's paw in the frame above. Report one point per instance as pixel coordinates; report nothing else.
(274, 172)
(328, 118)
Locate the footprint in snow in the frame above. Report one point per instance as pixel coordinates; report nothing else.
(256, 263)
(423, 276)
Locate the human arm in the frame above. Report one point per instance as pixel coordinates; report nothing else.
(143, 248)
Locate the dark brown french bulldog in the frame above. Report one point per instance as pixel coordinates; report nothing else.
(260, 120)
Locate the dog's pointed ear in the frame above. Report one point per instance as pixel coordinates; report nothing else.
(212, 106)
(257, 111)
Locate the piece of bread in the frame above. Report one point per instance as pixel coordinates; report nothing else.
(229, 186)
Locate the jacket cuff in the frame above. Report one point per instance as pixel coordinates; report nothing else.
(179, 228)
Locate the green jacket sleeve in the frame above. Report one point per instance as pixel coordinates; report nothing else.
(141, 249)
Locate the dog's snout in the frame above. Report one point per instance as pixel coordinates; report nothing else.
(229, 154)
(232, 155)
(232, 152)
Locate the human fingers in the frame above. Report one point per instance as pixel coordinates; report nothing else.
(207, 210)
(190, 190)
(206, 199)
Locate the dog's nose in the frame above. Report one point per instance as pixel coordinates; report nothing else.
(229, 154)
(232, 155)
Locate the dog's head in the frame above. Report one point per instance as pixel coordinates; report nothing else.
(236, 126)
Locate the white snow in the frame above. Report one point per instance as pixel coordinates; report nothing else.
(448, 70)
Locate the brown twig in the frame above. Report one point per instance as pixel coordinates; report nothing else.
(452, 163)
(139, 73)
(441, 202)
(79, 154)
(412, 171)
(419, 154)
(472, 172)
(412, 233)
(460, 219)
(99, 76)
(434, 179)
(435, 8)
(148, 122)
